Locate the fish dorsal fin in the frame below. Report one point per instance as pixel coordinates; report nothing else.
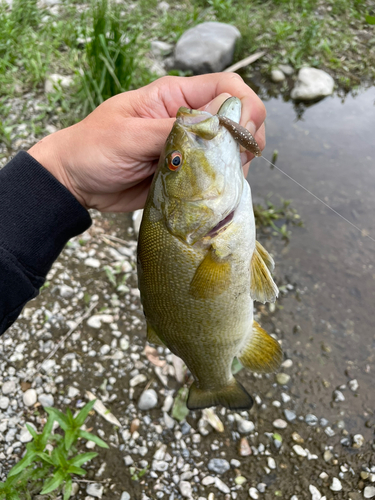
(233, 396)
(211, 278)
(152, 336)
(262, 287)
(262, 354)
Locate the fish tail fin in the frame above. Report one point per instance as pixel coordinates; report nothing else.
(234, 396)
(262, 353)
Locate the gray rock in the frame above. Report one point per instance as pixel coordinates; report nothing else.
(185, 489)
(358, 441)
(235, 463)
(245, 426)
(338, 396)
(277, 76)
(66, 291)
(95, 490)
(29, 397)
(336, 484)
(312, 83)
(369, 492)
(4, 403)
(46, 400)
(159, 465)
(279, 423)
(286, 69)
(125, 496)
(206, 48)
(57, 80)
(148, 400)
(161, 49)
(72, 392)
(290, 415)
(311, 419)
(8, 387)
(221, 486)
(218, 465)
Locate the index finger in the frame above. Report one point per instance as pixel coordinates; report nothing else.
(197, 91)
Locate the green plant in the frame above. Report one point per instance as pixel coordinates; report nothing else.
(266, 217)
(43, 471)
(110, 58)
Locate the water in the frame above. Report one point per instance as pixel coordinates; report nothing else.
(330, 150)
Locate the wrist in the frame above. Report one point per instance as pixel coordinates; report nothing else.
(47, 153)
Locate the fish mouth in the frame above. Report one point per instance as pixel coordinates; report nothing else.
(222, 225)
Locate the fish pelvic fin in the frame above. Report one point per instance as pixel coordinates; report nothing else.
(233, 396)
(263, 353)
(211, 278)
(262, 287)
(152, 336)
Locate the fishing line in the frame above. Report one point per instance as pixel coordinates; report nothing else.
(319, 199)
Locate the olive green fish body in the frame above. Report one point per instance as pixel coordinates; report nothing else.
(195, 254)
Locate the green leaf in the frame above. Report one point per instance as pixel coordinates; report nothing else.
(67, 488)
(59, 416)
(92, 437)
(54, 482)
(180, 410)
(76, 470)
(82, 415)
(71, 435)
(370, 19)
(47, 458)
(32, 431)
(70, 417)
(47, 431)
(82, 458)
(111, 277)
(22, 464)
(13, 495)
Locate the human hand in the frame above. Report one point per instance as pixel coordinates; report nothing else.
(107, 160)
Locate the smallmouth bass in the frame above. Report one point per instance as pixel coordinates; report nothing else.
(199, 265)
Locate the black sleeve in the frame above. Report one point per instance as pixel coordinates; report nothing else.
(38, 215)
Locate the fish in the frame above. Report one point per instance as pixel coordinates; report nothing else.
(200, 267)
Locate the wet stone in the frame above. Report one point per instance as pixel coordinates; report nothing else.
(311, 419)
(148, 400)
(218, 465)
(277, 76)
(299, 450)
(245, 426)
(253, 493)
(358, 441)
(279, 423)
(290, 415)
(282, 378)
(221, 486)
(315, 493)
(338, 396)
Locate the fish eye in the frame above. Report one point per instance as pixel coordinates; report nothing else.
(175, 160)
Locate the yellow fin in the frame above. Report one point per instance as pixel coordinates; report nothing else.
(262, 286)
(211, 278)
(267, 259)
(233, 396)
(152, 336)
(263, 353)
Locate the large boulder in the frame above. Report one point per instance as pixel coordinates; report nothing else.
(206, 48)
(311, 84)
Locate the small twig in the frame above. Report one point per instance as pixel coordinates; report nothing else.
(77, 323)
(114, 238)
(245, 62)
(108, 242)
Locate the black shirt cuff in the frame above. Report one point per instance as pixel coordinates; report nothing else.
(38, 215)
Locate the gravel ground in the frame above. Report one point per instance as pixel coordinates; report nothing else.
(278, 449)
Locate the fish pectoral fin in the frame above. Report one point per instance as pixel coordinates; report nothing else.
(262, 353)
(212, 277)
(233, 396)
(262, 286)
(152, 336)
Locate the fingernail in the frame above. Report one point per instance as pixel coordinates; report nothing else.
(251, 127)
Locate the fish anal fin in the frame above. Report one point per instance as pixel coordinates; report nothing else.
(263, 353)
(152, 336)
(211, 278)
(262, 286)
(233, 396)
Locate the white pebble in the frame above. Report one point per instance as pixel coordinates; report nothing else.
(271, 463)
(185, 489)
(315, 493)
(369, 492)
(279, 423)
(336, 484)
(253, 493)
(91, 262)
(94, 322)
(29, 397)
(299, 450)
(8, 387)
(4, 403)
(353, 385)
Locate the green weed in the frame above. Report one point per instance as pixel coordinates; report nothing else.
(278, 218)
(43, 471)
